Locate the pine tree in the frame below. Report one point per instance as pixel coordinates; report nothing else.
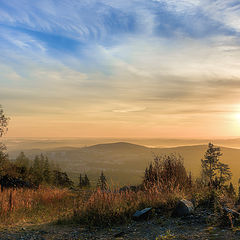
(216, 172)
(22, 166)
(61, 179)
(37, 171)
(102, 182)
(224, 173)
(210, 162)
(81, 181)
(4, 161)
(46, 171)
(86, 181)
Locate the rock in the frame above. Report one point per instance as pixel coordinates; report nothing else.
(234, 213)
(143, 214)
(120, 234)
(183, 208)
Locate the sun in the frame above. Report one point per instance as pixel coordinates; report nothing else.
(237, 116)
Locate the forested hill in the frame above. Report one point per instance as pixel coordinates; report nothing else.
(124, 162)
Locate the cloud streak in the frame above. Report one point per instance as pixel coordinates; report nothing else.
(120, 61)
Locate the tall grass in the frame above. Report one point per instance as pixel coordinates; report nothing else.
(34, 206)
(26, 206)
(29, 206)
(165, 182)
(107, 208)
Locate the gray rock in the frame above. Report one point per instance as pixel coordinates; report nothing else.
(143, 214)
(120, 234)
(183, 208)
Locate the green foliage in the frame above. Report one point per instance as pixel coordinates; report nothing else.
(214, 173)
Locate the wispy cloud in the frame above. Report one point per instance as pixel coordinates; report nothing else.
(127, 61)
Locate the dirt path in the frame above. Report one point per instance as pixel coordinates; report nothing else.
(193, 227)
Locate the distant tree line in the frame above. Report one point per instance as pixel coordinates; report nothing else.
(38, 171)
(41, 171)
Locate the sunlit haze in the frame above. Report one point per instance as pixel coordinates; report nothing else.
(101, 68)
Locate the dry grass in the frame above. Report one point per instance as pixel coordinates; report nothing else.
(26, 206)
(34, 206)
(111, 207)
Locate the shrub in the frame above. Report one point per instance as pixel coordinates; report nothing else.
(168, 173)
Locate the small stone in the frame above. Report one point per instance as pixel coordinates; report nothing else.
(120, 234)
(142, 214)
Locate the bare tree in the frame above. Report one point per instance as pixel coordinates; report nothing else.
(3, 122)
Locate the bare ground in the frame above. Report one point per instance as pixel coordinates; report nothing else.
(192, 227)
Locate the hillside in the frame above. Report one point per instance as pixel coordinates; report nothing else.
(125, 162)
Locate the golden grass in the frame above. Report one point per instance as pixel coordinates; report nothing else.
(87, 207)
(27, 206)
(111, 207)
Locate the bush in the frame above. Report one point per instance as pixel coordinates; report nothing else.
(168, 172)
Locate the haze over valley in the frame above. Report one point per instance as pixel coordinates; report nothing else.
(122, 160)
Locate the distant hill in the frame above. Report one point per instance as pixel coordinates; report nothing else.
(125, 162)
(118, 146)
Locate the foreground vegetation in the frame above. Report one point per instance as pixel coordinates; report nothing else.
(105, 208)
(38, 192)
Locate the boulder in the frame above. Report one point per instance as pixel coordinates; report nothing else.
(142, 214)
(183, 208)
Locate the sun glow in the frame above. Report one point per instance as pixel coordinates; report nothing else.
(237, 116)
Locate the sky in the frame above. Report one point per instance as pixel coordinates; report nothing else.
(129, 68)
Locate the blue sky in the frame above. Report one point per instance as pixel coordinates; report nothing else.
(120, 68)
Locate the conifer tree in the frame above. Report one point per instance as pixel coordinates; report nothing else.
(102, 182)
(46, 171)
(86, 181)
(210, 162)
(37, 171)
(81, 182)
(216, 172)
(22, 166)
(224, 173)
